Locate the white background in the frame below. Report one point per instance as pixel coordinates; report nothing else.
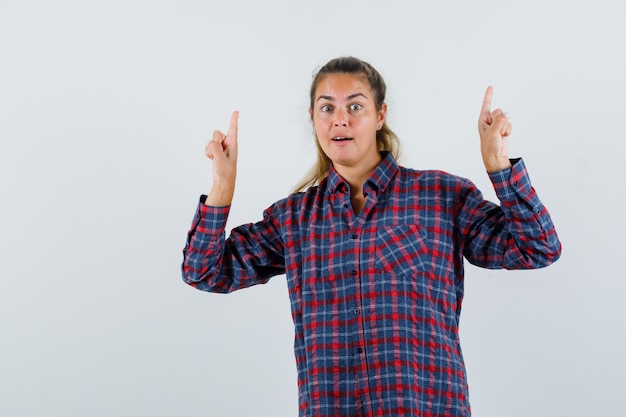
(105, 108)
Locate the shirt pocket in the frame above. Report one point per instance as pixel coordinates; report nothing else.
(401, 249)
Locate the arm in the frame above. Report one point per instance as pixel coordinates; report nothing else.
(251, 254)
(519, 233)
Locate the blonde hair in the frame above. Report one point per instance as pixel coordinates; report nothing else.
(386, 139)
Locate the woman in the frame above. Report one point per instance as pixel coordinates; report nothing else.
(372, 252)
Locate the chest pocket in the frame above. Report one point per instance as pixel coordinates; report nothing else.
(401, 249)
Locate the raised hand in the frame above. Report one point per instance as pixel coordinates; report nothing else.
(494, 129)
(222, 149)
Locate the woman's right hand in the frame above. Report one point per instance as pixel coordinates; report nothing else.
(222, 150)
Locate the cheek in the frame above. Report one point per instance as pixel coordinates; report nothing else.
(320, 126)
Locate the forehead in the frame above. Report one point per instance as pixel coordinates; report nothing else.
(338, 85)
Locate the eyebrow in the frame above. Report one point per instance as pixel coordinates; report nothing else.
(350, 97)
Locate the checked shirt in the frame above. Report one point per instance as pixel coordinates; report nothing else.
(376, 297)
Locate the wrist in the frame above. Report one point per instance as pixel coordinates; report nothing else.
(220, 195)
(496, 164)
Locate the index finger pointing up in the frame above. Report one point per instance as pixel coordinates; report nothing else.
(487, 100)
(232, 129)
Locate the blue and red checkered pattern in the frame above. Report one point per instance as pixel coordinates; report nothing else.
(376, 297)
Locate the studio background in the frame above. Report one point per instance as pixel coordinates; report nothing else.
(105, 108)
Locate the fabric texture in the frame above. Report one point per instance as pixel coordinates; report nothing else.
(376, 297)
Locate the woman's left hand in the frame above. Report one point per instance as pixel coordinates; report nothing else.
(494, 129)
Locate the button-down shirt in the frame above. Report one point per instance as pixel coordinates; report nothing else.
(376, 296)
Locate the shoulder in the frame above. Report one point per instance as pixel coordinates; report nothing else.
(297, 206)
(432, 179)
(300, 200)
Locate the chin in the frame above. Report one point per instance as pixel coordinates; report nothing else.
(341, 158)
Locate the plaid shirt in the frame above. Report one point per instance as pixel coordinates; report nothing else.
(376, 297)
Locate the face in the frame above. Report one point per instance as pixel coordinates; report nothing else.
(346, 120)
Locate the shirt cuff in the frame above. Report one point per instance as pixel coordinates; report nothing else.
(513, 182)
(210, 220)
(517, 196)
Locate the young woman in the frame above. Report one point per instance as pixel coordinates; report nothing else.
(372, 251)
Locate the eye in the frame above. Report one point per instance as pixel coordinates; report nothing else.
(327, 108)
(355, 107)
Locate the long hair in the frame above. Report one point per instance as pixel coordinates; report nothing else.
(386, 139)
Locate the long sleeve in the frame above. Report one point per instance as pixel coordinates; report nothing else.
(251, 255)
(518, 234)
(376, 298)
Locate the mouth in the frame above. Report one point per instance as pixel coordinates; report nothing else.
(340, 139)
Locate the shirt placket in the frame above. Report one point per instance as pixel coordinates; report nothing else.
(359, 240)
(355, 343)
(358, 343)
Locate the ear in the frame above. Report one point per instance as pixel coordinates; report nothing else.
(382, 114)
(311, 113)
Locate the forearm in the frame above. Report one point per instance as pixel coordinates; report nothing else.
(221, 195)
(532, 233)
(519, 234)
(494, 163)
(204, 249)
(250, 255)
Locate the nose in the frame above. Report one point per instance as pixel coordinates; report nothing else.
(341, 118)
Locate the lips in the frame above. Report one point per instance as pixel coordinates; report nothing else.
(340, 139)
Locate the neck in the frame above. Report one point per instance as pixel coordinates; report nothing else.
(356, 176)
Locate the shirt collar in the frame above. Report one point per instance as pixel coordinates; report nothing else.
(377, 182)
(382, 175)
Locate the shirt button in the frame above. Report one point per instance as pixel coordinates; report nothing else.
(359, 350)
(357, 311)
(354, 236)
(354, 272)
(345, 205)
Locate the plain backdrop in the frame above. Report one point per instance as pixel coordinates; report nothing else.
(105, 108)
